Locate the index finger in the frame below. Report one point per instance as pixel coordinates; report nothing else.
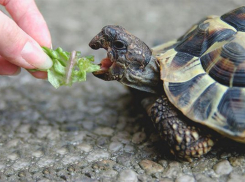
(27, 16)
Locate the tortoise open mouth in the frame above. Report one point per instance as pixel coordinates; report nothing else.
(105, 65)
(109, 70)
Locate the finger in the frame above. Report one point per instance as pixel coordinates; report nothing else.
(19, 48)
(8, 68)
(39, 74)
(27, 16)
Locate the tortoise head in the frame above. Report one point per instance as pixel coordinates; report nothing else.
(129, 60)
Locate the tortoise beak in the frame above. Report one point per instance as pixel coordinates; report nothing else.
(96, 43)
(102, 74)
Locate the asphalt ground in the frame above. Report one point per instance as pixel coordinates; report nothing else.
(96, 131)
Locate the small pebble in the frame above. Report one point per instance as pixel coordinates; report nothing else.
(222, 167)
(173, 170)
(102, 142)
(234, 177)
(84, 147)
(95, 109)
(71, 159)
(13, 178)
(115, 146)
(24, 128)
(80, 136)
(122, 137)
(139, 137)
(166, 180)
(151, 167)
(33, 169)
(37, 153)
(105, 131)
(63, 174)
(89, 125)
(43, 131)
(54, 135)
(124, 160)
(46, 161)
(2, 167)
(109, 173)
(9, 172)
(12, 143)
(38, 176)
(127, 175)
(129, 149)
(203, 178)
(104, 164)
(185, 178)
(21, 164)
(13, 156)
(62, 151)
(121, 125)
(164, 163)
(97, 155)
(236, 161)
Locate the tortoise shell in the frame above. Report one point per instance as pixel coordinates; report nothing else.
(203, 73)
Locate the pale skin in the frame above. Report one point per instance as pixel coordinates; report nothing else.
(22, 38)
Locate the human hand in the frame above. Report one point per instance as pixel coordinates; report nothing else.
(22, 37)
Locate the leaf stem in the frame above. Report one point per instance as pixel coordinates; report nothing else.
(71, 64)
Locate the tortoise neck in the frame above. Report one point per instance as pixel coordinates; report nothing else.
(156, 84)
(146, 79)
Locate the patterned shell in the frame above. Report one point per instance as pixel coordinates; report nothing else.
(204, 73)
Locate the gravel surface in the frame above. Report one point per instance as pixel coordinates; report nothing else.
(96, 131)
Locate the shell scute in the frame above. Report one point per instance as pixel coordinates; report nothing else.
(181, 59)
(205, 34)
(236, 18)
(226, 63)
(204, 104)
(194, 27)
(231, 106)
(178, 88)
(234, 51)
(238, 77)
(184, 94)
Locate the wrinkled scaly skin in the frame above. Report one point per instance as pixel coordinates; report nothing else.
(130, 61)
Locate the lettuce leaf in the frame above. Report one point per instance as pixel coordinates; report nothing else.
(68, 67)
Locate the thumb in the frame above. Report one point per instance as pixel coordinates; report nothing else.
(19, 48)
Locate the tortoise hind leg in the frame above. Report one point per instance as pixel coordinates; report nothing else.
(185, 140)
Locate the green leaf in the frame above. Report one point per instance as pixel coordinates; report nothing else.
(68, 68)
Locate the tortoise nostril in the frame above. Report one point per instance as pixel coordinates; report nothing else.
(93, 46)
(96, 43)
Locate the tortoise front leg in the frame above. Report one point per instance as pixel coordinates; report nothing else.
(186, 141)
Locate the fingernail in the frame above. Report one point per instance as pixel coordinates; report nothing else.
(35, 56)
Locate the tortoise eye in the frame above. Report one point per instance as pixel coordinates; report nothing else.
(119, 44)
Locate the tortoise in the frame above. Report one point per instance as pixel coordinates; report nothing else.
(199, 79)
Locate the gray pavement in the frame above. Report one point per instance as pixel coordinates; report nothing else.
(95, 131)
